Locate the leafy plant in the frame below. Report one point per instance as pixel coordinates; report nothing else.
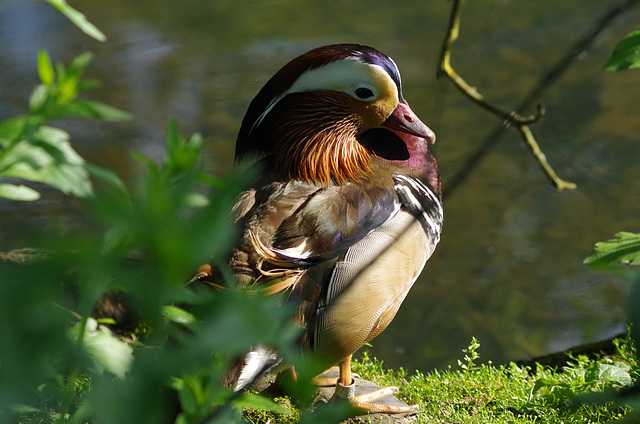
(470, 356)
(31, 150)
(110, 353)
(582, 375)
(59, 362)
(145, 242)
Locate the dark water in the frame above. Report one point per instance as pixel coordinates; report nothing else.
(509, 268)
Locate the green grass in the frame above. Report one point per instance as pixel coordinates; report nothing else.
(488, 394)
(585, 391)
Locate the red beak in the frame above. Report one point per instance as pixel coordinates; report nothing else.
(403, 119)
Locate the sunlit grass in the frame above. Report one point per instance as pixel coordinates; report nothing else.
(487, 393)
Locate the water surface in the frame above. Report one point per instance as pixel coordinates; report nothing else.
(509, 268)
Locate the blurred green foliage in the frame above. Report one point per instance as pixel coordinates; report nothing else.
(145, 242)
(32, 150)
(78, 19)
(58, 362)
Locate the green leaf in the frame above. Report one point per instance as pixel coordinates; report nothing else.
(87, 84)
(173, 135)
(146, 161)
(253, 401)
(23, 409)
(626, 54)
(66, 172)
(45, 68)
(11, 130)
(97, 110)
(38, 98)
(190, 394)
(18, 192)
(69, 83)
(109, 321)
(47, 158)
(79, 63)
(182, 155)
(624, 249)
(178, 315)
(616, 373)
(78, 19)
(108, 177)
(109, 352)
(543, 382)
(196, 200)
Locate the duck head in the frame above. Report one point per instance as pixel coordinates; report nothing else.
(314, 118)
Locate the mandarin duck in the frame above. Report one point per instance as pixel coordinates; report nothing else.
(347, 208)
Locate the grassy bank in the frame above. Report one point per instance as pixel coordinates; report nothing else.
(589, 389)
(585, 390)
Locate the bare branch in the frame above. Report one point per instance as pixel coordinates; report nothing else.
(521, 123)
(561, 184)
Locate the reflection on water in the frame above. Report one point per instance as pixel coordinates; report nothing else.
(509, 268)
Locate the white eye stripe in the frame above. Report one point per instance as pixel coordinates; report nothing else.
(341, 75)
(346, 75)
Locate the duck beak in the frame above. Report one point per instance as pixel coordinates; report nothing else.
(403, 119)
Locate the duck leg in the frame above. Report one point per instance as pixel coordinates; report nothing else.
(346, 388)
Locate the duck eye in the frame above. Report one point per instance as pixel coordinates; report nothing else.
(364, 93)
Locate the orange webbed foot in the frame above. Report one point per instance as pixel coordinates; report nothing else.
(365, 397)
(364, 401)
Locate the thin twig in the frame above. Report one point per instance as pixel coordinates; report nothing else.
(545, 82)
(471, 92)
(561, 184)
(512, 117)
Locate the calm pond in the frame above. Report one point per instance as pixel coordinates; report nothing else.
(509, 267)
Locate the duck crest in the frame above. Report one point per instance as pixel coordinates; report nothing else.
(313, 137)
(290, 72)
